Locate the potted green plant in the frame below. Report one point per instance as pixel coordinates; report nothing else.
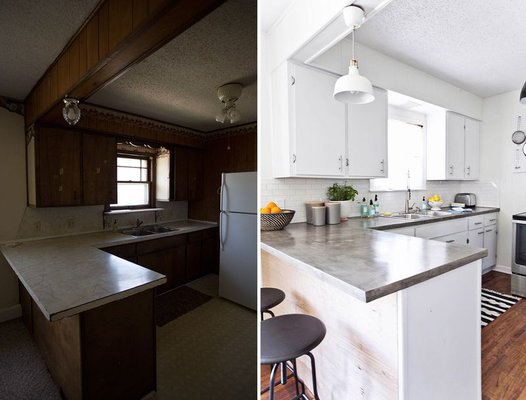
(343, 194)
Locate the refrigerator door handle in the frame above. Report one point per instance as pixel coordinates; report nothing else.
(222, 193)
(221, 241)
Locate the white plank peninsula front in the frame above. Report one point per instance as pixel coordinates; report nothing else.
(402, 313)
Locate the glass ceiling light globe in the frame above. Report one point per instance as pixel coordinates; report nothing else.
(71, 111)
(233, 115)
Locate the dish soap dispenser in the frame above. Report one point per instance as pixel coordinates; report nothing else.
(424, 205)
(376, 205)
(371, 213)
(363, 208)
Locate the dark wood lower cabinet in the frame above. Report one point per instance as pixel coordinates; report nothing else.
(182, 258)
(108, 352)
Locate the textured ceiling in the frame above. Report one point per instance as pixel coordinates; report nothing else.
(178, 83)
(32, 35)
(477, 45)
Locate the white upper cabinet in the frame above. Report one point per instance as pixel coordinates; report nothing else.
(367, 137)
(308, 128)
(453, 148)
(471, 149)
(314, 135)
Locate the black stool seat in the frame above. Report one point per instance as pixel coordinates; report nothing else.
(271, 297)
(289, 336)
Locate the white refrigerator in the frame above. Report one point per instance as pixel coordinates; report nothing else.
(238, 238)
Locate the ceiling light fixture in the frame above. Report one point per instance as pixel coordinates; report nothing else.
(71, 110)
(523, 94)
(228, 95)
(353, 88)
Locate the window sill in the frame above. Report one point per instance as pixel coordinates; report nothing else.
(133, 210)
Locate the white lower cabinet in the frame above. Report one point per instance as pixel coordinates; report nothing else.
(476, 237)
(490, 243)
(457, 238)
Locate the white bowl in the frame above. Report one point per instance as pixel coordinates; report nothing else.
(435, 205)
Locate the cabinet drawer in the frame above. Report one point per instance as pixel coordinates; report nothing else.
(475, 222)
(490, 219)
(195, 237)
(126, 251)
(407, 231)
(151, 246)
(456, 238)
(437, 229)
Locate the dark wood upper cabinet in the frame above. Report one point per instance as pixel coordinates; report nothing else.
(99, 161)
(188, 174)
(54, 168)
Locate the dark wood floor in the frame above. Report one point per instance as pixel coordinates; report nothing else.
(282, 392)
(503, 351)
(504, 347)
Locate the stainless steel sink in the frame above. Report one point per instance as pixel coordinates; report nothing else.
(148, 230)
(409, 216)
(437, 213)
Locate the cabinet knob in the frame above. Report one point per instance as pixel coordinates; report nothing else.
(468, 170)
(451, 170)
(340, 161)
(382, 166)
(97, 170)
(61, 171)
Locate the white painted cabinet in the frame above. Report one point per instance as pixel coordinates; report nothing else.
(308, 125)
(476, 238)
(314, 135)
(457, 238)
(471, 149)
(490, 241)
(453, 148)
(367, 138)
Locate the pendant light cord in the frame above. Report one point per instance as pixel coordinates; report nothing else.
(353, 60)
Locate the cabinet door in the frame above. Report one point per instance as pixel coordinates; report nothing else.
(454, 146)
(367, 137)
(126, 251)
(159, 261)
(181, 173)
(99, 161)
(210, 251)
(319, 131)
(194, 256)
(195, 174)
(179, 264)
(476, 238)
(490, 243)
(58, 168)
(472, 149)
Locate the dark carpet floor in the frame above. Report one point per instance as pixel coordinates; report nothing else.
(23, 374)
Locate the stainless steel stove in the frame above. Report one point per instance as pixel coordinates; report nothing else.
(518, 255)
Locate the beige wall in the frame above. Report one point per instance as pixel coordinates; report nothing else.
(13, 195)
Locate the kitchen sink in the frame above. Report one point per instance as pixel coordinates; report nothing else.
(409, 216)
(438, 213)
(148, 230)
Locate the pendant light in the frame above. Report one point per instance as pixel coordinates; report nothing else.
(353, 88)
(523, 94)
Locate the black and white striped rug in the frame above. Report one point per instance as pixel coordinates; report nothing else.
(494, 304)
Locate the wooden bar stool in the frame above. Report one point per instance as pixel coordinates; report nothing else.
(285, 338)
(270, 297)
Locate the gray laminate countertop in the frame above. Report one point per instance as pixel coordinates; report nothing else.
(362, 258)
(71, 274)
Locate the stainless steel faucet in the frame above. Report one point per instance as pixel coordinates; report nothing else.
(407, 200)
(138, 223)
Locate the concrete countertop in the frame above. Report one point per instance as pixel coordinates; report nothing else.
(360, 259)
(71, 274)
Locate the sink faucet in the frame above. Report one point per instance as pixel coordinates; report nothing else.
(407, 200)
(138, 223)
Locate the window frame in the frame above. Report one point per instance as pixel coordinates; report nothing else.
(412, 118)
(150, 181)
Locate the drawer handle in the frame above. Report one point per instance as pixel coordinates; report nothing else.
(491, 220)
(480, 233)
(450, 241)
(478, 223)
(489, 230)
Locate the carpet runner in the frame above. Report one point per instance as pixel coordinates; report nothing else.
(495, 304)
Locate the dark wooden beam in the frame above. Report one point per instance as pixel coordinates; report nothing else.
(117, 35)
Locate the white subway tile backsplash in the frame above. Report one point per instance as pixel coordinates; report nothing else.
(295, 191)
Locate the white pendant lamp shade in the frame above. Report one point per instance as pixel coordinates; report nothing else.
(353, 88)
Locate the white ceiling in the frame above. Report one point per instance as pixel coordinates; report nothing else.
(477, 45)
(269, 11)
(32, 35)
(178, 83)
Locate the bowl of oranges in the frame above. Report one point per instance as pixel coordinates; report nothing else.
(435, 202)
(274, 218)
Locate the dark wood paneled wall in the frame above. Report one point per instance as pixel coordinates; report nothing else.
(118, 34)
(241, 157)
